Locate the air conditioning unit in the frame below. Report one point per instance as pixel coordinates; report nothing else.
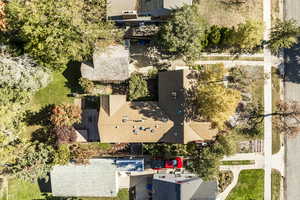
(129, 14)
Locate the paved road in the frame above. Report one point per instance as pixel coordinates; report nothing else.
(292, 92)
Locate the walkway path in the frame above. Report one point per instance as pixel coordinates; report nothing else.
(236, 169)
(276, 163)
(267, 102)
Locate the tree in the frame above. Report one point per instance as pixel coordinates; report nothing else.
(138, 87)
(65, 115)
(35, 162)
(205, 161)
(283, 35)
(213, 101)
(55, 32)
(2, 16)
(184, 34)
(248, 35)
(21, 77)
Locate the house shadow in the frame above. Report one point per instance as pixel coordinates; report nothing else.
(73, 74)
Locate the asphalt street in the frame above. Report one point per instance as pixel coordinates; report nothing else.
(292, 93)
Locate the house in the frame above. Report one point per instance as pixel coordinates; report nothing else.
(142, 10)
(168, 120)
(102, 177)
(109, 65)
(182, 187)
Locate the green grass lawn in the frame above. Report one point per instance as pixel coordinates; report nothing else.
(275, 99)
(250, 186)
(276, 181)
(238, 162)
(22, 190)
(63, 83)
(55, 93)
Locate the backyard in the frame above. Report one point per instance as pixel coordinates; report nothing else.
(21, 190)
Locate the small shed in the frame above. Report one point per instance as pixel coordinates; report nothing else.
(109, 65)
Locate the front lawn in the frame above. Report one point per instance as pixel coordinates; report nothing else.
(219, 13)
(250, 186)
(275, 100)
(276, 181)
(238, 162)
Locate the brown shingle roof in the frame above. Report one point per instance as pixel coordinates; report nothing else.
(165, 120)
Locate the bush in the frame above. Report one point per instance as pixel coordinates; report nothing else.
(138, 87)
(215, 35)
(65, 134)
(62, 156)
(86, 85)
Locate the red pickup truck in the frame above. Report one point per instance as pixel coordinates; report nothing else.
(158, 164)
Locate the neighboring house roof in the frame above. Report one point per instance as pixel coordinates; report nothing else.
(109, 65)
(155, 8)
(182, 187)
(97, 179)
(121, 121)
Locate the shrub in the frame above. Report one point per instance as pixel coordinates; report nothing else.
(62, 156)
(65, 134)
(138, 87)
(214, 36)
(86, 85)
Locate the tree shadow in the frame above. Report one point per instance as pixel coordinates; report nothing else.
(41, 117)
(73, 74)
(292, 64)
(44, 135)
(45, 186)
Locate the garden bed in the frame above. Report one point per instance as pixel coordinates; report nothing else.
(225, 178)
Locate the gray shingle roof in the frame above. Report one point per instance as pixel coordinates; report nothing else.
(183, 187)
(97, 179)
(111, 64)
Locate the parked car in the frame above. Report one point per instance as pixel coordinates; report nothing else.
(158, 164)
